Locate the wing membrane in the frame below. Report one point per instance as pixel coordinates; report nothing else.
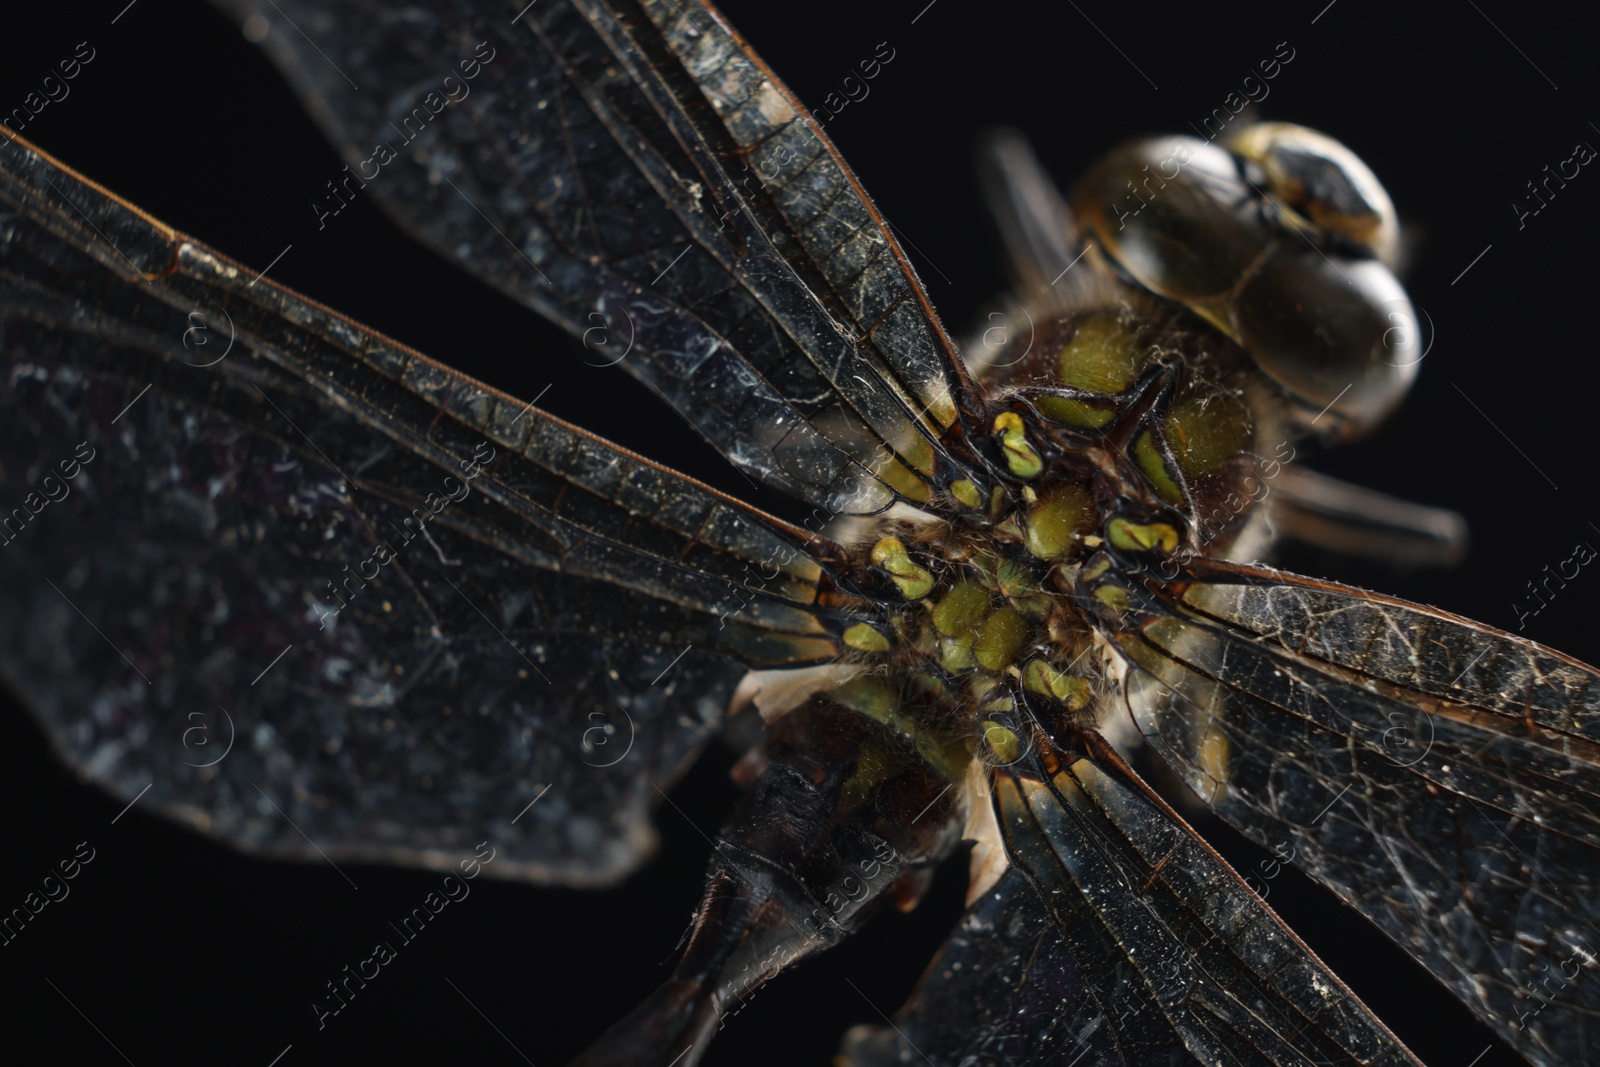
(633, 165)
(412, 604)
(1005, 988)
(1440, 776)
(1145, 947)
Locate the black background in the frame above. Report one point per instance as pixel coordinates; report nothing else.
(178, 950)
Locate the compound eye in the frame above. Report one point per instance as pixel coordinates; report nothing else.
(1319, 185)
(1340, 338)
(1282, 242)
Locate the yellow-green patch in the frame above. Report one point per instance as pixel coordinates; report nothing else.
(1002, 742)
(961, 609)
(905, 482)
(918, 452)
(1207, 432)
(967, 493)
(1136, 537)
(1052, 522)
(1154, 468)
(1081, 414)
(865, 638)
(1102, 357)
(1000, 639)
(1215, 753)
(1165, 632)
(914, 581)
(1020, 455)
(1039, 677)
(1112, 596)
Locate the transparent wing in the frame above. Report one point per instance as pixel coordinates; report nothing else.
(1119, 937)
(322, 595)
(632, 167)
(1005, 988)
(1440, 776)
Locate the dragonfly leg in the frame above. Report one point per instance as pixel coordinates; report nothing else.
(1324, 512)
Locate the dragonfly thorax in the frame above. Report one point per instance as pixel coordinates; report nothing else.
(1129, 423)
(971, 619)
(1131, 406)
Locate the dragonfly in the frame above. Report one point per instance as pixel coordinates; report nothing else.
(207, 327)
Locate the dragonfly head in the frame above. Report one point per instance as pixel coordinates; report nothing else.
(1282, 239)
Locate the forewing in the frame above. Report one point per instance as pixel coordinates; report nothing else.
(1440, 776)
(1004, 989)
(321, 595)
(1119, 937)
(632, 171)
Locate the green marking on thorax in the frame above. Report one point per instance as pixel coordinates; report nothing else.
(914, 581)
(866, 638)
(1071, 411)
(1102, 357)
(999, 640)
(1206, 432)
(1053, 522)
(1134, 537)
(959, 613)
(1154, 468)
(1002, 742)
(1020, 455)
(1041, 678)
(967, 493)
